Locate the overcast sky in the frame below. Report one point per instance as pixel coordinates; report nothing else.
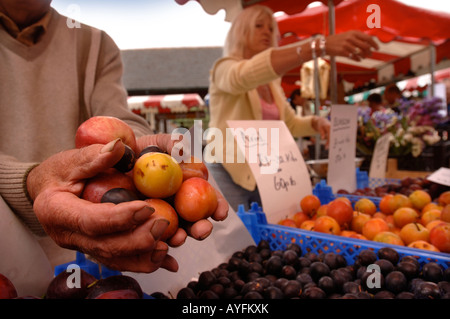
(136, 24)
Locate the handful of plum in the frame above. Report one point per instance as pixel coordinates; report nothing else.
(257, 272)
(175, 190)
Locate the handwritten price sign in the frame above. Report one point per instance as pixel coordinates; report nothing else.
(276, 163)
(341, 155)
(441, 176)
(379, 158)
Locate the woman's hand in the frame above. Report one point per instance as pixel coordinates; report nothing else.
(322, 126)
(354, 44)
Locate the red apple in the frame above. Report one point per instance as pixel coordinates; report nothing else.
(7, 289)
(196, 199)
(327, 224)
(165, 210)
(194, 168)
(445, 214)
(104, 129)
(440, 237)
(444, 198)
(105, 181)
(341, 212)
(287, 222)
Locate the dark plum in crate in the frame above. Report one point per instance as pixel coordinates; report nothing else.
(326, 275)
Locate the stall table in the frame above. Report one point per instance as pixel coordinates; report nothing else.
(158, 109)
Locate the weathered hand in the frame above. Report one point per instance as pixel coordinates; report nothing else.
(198, 230)
(123, 236)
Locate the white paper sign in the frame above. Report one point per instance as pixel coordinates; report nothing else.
(276, 163)
(379, 157)
(440, 91)
(441, 176)
(341, 155)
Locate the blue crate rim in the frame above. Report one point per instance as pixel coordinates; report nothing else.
(258, 227)
(356, 242)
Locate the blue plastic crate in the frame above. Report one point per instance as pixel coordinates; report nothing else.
(310, 241)
(375, 182)
(97, 270)
(363, 180)
(326, 195)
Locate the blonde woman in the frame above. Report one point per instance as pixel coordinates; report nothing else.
(245, 85)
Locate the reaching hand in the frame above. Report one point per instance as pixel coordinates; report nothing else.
(322, 126)
(355, 45)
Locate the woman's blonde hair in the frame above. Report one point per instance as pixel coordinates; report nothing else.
(241, 28)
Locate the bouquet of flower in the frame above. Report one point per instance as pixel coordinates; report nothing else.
(424, 112)
(411, 129)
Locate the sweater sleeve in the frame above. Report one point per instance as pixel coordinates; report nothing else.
(13, 190)
(108, 95)
(239, 76)
(299, 126)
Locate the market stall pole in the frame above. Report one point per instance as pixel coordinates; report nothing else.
(159, 109)
(333, 69)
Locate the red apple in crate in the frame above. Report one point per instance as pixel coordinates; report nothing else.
(196, 199)
(7, 289)
(104, 129)
(97, 186)
(341, 212)
(440, 237)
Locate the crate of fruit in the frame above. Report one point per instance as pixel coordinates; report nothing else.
(377, 187)
(280, 236)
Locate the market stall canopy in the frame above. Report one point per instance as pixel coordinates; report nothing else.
(405, 34)
(422, 82)
(160, 108)
(233, 7)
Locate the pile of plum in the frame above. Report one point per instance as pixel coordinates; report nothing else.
(404, 186)
(257, 272)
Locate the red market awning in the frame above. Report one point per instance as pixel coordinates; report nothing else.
(170, 103)
(405, 36)
(422, 82)
(232, 7)
(161, 108)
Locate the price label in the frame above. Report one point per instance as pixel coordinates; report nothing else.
(380, 156)
(276, 163)
(441, 176)
(342, 152)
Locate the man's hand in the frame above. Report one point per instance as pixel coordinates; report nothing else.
(123, 236)
(198, 230)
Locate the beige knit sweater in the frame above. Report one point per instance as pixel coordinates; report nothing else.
(233, 96)
(46, 91)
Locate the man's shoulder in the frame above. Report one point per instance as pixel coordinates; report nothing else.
(71, 25)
